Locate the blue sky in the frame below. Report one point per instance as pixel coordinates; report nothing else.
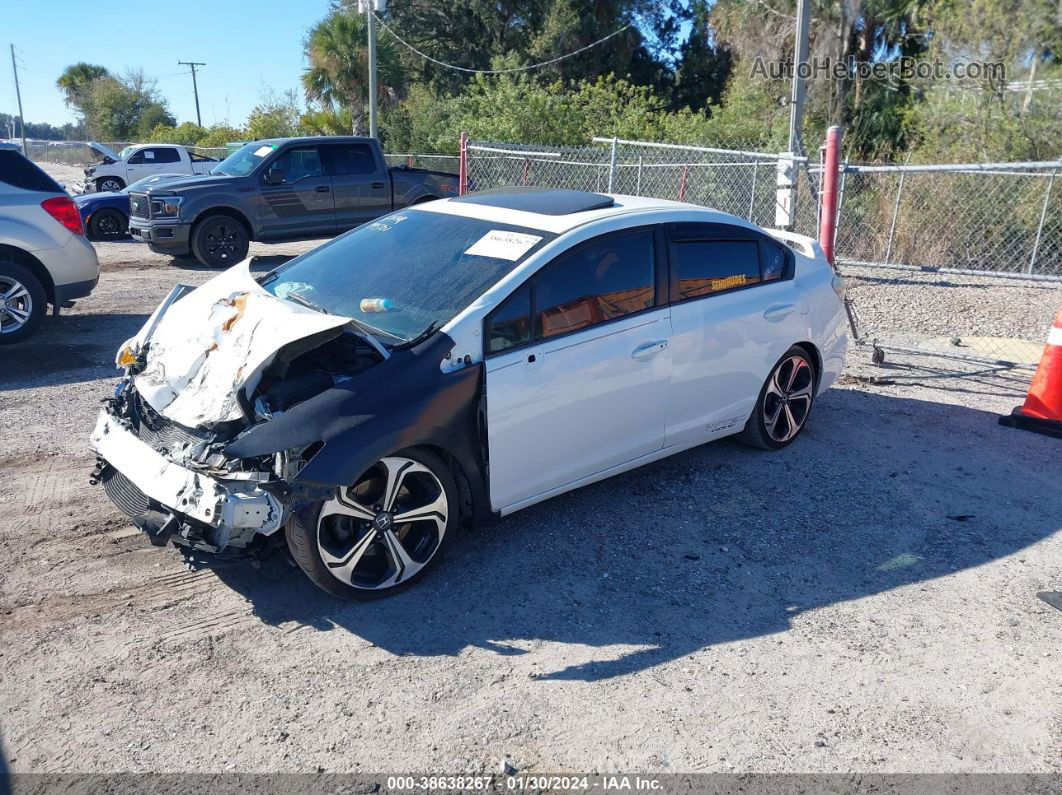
(249, 46)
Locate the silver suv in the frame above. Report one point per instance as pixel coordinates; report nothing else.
(44, 256)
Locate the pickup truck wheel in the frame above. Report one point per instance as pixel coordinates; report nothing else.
(109, 184)
(22, 302)
(108, 224)
(220, 241)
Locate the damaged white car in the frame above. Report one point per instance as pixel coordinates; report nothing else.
(456, 362)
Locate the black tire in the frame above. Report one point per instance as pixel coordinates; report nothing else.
(306, 525)
(220, 241)
(108, 224)
(109, 184)
(28, 299)
(787, 395)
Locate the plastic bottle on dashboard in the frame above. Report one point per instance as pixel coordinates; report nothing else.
(376, 304)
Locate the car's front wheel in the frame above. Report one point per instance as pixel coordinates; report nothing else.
(23, 302)
(108, 224)
(220, 241)
(109, 184)
(785, 401)
(381, 534)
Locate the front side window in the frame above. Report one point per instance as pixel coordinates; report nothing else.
(510, 324)
(599, 281)
(299, 163)
(406, 271)
(703, 267)
(138, 157)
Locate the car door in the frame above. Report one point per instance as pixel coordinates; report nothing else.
(577, 368)
(734, 312)
(142, 163)
(361, 186)
(300, 203)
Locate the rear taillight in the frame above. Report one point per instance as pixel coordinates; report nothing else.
(63, 210)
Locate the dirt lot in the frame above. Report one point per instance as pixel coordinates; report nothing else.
(862, 601)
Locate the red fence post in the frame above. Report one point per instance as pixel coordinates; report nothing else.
(829, 191)
(462, 169)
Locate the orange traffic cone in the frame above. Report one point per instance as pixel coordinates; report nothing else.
(1042, 411)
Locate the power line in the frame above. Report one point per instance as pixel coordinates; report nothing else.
(527, 68)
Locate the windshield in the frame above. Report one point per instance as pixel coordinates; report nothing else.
(243, 161)
(406, 272)
(124, 152)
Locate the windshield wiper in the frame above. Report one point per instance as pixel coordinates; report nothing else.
(413, 342)
(306, 302)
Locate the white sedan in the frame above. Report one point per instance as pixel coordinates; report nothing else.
(456, 362)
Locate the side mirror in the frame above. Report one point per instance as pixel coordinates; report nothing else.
(274, 177)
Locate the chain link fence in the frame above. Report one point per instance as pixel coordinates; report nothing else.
(962, 262)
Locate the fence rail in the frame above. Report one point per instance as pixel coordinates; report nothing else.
(997, 224)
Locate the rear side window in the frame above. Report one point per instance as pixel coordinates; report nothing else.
(597, 282)
(349, 159)
(703, 267)
(18, 172)
(163, 155)
(772, 260)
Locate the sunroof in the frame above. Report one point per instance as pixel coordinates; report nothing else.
(545, 201)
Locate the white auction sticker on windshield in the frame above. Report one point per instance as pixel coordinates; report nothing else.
(503, 245)
(262, 151)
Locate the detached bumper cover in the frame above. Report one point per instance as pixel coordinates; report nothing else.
(230, 505)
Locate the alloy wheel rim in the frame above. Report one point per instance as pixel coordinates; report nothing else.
(110, 186)
(381, 531)
(787, 401)
(16, 305)
(221, 241)
(108, 224)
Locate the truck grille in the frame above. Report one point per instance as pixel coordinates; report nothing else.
(139, 206)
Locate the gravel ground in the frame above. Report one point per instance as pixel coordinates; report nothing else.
(864, 600)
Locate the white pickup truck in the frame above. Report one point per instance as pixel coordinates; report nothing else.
(117, 170)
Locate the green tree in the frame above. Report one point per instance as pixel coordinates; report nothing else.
(219, 135)
(275, 116)
(126, 109)
(338, 74)
(77, 83)
(188, 134)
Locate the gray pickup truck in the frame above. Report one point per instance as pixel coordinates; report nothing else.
(278, 189)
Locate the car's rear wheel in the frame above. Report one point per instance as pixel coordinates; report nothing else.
(784, 403)
(23, 302)
(109, 184)
(220, 241)
(381, 534)
(108, 224)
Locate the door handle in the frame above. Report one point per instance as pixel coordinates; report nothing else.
(322, 189)
(778, 311)
(647, 350)
(377, 185)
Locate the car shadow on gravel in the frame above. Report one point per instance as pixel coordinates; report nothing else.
(68, 349)
(717, 544)
(259, 263)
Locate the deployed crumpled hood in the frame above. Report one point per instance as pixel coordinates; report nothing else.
(215, 341)
(106, 151)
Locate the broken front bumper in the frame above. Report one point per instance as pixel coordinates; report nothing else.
(233, 510)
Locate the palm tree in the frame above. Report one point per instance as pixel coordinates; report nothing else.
(76, 77)
(338, 74)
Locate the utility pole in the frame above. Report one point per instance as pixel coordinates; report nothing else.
(785, 194)
(195, 88)
(370, 7)
(18, 94)
(796, 109)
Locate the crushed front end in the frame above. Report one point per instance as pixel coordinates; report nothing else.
(176, 484)
(211, 366)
